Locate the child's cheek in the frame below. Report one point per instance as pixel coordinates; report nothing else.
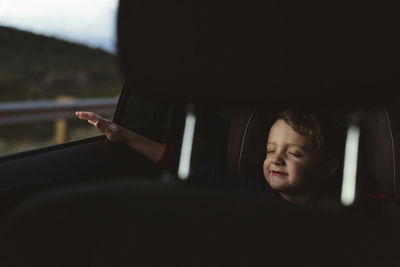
(266, 168)
(302, 171)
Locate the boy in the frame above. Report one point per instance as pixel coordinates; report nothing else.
(303, 153)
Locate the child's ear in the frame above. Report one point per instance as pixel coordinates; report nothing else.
(331, 166)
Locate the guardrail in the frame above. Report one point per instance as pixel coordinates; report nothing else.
(54, 110)
(48, 110)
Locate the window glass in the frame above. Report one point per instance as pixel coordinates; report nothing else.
(56, 57)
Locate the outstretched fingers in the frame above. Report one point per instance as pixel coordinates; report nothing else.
(94, 119)
(110, 129)
(85, 115)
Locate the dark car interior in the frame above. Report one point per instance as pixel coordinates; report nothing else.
(96, 203)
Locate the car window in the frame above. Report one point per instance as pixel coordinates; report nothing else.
(56, 58)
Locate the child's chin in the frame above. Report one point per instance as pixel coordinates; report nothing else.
(276, 183)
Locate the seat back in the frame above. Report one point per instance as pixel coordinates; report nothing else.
(142, 223)
(379, 150)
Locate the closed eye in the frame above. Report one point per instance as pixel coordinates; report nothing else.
(297, 155)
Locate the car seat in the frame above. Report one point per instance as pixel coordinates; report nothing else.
(379, 148)
(246, 149)
(378, 156)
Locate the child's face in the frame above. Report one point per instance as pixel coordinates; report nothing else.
(293, 162)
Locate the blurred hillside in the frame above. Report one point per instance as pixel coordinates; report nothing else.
(37, 67)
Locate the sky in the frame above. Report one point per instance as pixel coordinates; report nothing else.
(89, 22)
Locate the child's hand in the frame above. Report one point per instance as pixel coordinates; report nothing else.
(111, 130)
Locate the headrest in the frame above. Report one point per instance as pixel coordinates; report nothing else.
(316, 52)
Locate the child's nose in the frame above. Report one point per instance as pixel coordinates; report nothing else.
(277, 159)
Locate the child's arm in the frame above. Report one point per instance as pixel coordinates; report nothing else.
(115, 133)
(163, 154)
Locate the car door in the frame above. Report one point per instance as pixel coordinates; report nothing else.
(89, 159)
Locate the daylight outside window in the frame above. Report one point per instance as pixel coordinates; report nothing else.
(55, 57)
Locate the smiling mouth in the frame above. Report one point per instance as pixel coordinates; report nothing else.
(277, 173)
